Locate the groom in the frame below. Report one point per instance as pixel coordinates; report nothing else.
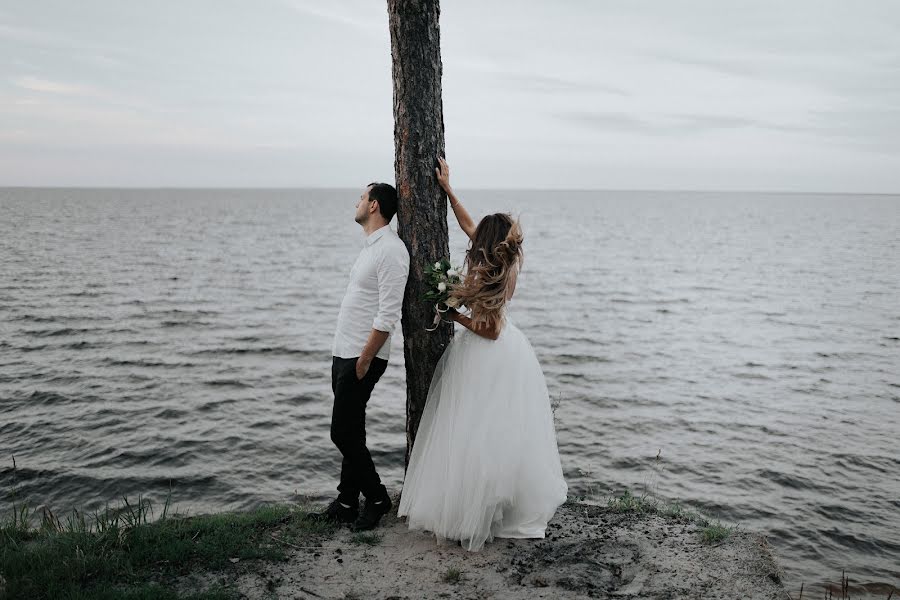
(369, 311)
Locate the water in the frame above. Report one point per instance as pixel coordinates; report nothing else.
(168, 339)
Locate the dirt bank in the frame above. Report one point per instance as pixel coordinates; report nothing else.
(590, 552)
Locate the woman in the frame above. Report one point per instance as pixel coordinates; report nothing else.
(485, 462)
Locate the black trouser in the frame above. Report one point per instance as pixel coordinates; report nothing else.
(348, 428)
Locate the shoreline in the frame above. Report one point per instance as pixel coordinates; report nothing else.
(628, 548)
(591, 551)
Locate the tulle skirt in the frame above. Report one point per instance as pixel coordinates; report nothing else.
(485, 462)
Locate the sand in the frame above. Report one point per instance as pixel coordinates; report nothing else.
(590, 552)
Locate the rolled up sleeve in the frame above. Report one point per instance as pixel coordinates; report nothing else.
(392, 267)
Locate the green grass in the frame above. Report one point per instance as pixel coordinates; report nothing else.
(716, 532)
(712, 532)
(628, 502)
(674, 510)
(453, 576)
(367, 538)
(126, 553)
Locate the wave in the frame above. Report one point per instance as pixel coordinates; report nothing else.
(794, 482)
(227, 383)
(56, 332)
(573, 359)
(57, 489)
(36, 319)
(173, 413)
(83, 345)
(759, 376)
(318, 354)
(47, 398)
(114, 362)
(187, 324)
(84, 294)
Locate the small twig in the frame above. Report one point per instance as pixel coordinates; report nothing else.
(287, 543)
(278, 539)
(303, 589)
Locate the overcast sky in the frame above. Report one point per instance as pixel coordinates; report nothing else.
(799, 96)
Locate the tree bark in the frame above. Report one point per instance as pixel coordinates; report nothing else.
(422, 210)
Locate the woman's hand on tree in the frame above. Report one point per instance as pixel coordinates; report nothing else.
(443, 174)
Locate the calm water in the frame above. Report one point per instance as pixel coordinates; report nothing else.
(163, 338)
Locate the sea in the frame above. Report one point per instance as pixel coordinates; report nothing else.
(737, 353)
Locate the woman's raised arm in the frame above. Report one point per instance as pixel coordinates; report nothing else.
(462, 215)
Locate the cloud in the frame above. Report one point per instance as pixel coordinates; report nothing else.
(65, 48)
(28, 35)
(92, 124)
(551, 84)
(36, 84)
(338, 14)
(669, 124)
(47, 38)
(739, 65)
(873, 129)
(663, 89)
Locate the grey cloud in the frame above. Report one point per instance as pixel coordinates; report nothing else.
(742, 66)
(272, 86)
(606, 121)
(37, 84)
(28, 35)
(671, 124)
(340, 15)
(538, 82)
(874, 129)
(871, 78)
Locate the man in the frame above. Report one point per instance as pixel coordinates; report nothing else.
(369, 312)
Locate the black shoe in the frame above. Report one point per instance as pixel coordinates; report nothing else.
(371, 514)
(336, 513)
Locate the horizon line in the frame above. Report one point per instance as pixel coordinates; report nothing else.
(465, 189)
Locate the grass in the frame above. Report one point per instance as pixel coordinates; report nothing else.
(126, 553)
(452, 576)
(715, 532)
(712, 531)
(675, 510)
(845, 590)
(627, 502)
(647, 503)
(367, 538)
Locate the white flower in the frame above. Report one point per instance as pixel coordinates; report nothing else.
(437, 265)
(452, 273)
(442, 287)
(453, 302)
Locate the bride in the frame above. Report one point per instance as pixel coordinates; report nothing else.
(485, 462)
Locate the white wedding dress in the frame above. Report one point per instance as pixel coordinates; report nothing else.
(485, 462)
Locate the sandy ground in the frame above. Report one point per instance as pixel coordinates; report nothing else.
(590, 552)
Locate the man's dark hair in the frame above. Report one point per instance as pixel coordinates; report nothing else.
(387, 199)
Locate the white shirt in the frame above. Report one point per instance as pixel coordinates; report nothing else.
(374, 295)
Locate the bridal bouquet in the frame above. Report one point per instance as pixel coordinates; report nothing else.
(439, 277)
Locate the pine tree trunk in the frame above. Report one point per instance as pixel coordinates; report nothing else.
(422, 211)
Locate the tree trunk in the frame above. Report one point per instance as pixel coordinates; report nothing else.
(422, 211)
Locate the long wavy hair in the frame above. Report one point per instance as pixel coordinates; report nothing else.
(492, 263)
